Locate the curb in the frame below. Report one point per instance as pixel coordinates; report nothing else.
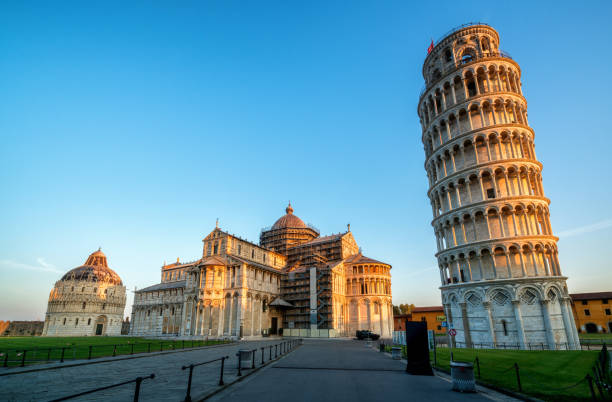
(114, 359)
(495, 388)
(253, 371)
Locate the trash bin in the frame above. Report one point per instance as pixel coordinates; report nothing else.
(381, 347)
(396, 353)
(245, 358)
(462, 374)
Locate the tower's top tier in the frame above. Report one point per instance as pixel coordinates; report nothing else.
(461, 45)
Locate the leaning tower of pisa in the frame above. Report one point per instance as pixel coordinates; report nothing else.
(502, 285)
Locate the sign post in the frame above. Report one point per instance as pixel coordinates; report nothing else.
(432, 344)
(451, 332)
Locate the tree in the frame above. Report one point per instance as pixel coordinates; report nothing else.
(403, 309)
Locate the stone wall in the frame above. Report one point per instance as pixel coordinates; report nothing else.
(21, 328)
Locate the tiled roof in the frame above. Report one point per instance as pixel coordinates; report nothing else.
(591, 296)
(163, 286)
(428, 309)
(95, 269)
(323, 239)
(179, 265)
(262, 266)
(278, 302)
(361, 259)
(289, 221)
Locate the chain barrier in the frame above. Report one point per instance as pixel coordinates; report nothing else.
(588, 380)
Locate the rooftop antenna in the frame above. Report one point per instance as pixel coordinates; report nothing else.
(348, 227)
(217, 224)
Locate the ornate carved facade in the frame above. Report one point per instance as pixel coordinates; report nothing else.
(497, 255)
(294, 282)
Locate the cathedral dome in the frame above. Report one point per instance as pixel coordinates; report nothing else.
(95, 269)
(289, 221)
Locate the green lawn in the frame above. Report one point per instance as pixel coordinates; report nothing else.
(43, 349)
(542, 373)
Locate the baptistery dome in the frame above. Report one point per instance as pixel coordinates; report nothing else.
(87, 300)
(95, 269)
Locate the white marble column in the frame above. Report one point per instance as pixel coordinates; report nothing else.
(548, 328)
(519, 323)
(570, 329)
(491, 323)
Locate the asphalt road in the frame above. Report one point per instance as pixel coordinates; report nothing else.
(342, 370)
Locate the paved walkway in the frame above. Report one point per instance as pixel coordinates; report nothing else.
(170, 381)
(342, 370)
(320, 370)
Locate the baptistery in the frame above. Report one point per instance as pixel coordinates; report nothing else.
(87, 300)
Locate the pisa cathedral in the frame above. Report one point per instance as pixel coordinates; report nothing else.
(294, 282)
(497, 255)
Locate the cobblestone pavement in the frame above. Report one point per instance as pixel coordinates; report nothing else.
(170, 382)
(343, 370)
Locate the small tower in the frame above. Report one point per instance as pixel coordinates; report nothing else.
(497, 255)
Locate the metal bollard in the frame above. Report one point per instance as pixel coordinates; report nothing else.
(590, 381)
(262, 356)
(132, 352)
(6, 359)
(477, 361)
(137, 391)
(239, 372)
(114, 350)
(518, 377)
(89, 354)
(276, 351)
(62, 358)
(270, 352)
(49, 354)
(188, 395)
(222, 367)
(23, 356)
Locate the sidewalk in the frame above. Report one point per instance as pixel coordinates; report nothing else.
(170, 381)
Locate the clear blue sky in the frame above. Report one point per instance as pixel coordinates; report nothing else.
(134, 127)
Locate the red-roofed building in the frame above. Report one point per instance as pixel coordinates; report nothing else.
(592, 312)
(433, 315)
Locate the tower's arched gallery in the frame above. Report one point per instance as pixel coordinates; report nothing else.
(293, 282)
(501, 280)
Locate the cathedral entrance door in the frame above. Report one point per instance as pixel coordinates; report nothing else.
(99, 329)
(274, 328)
